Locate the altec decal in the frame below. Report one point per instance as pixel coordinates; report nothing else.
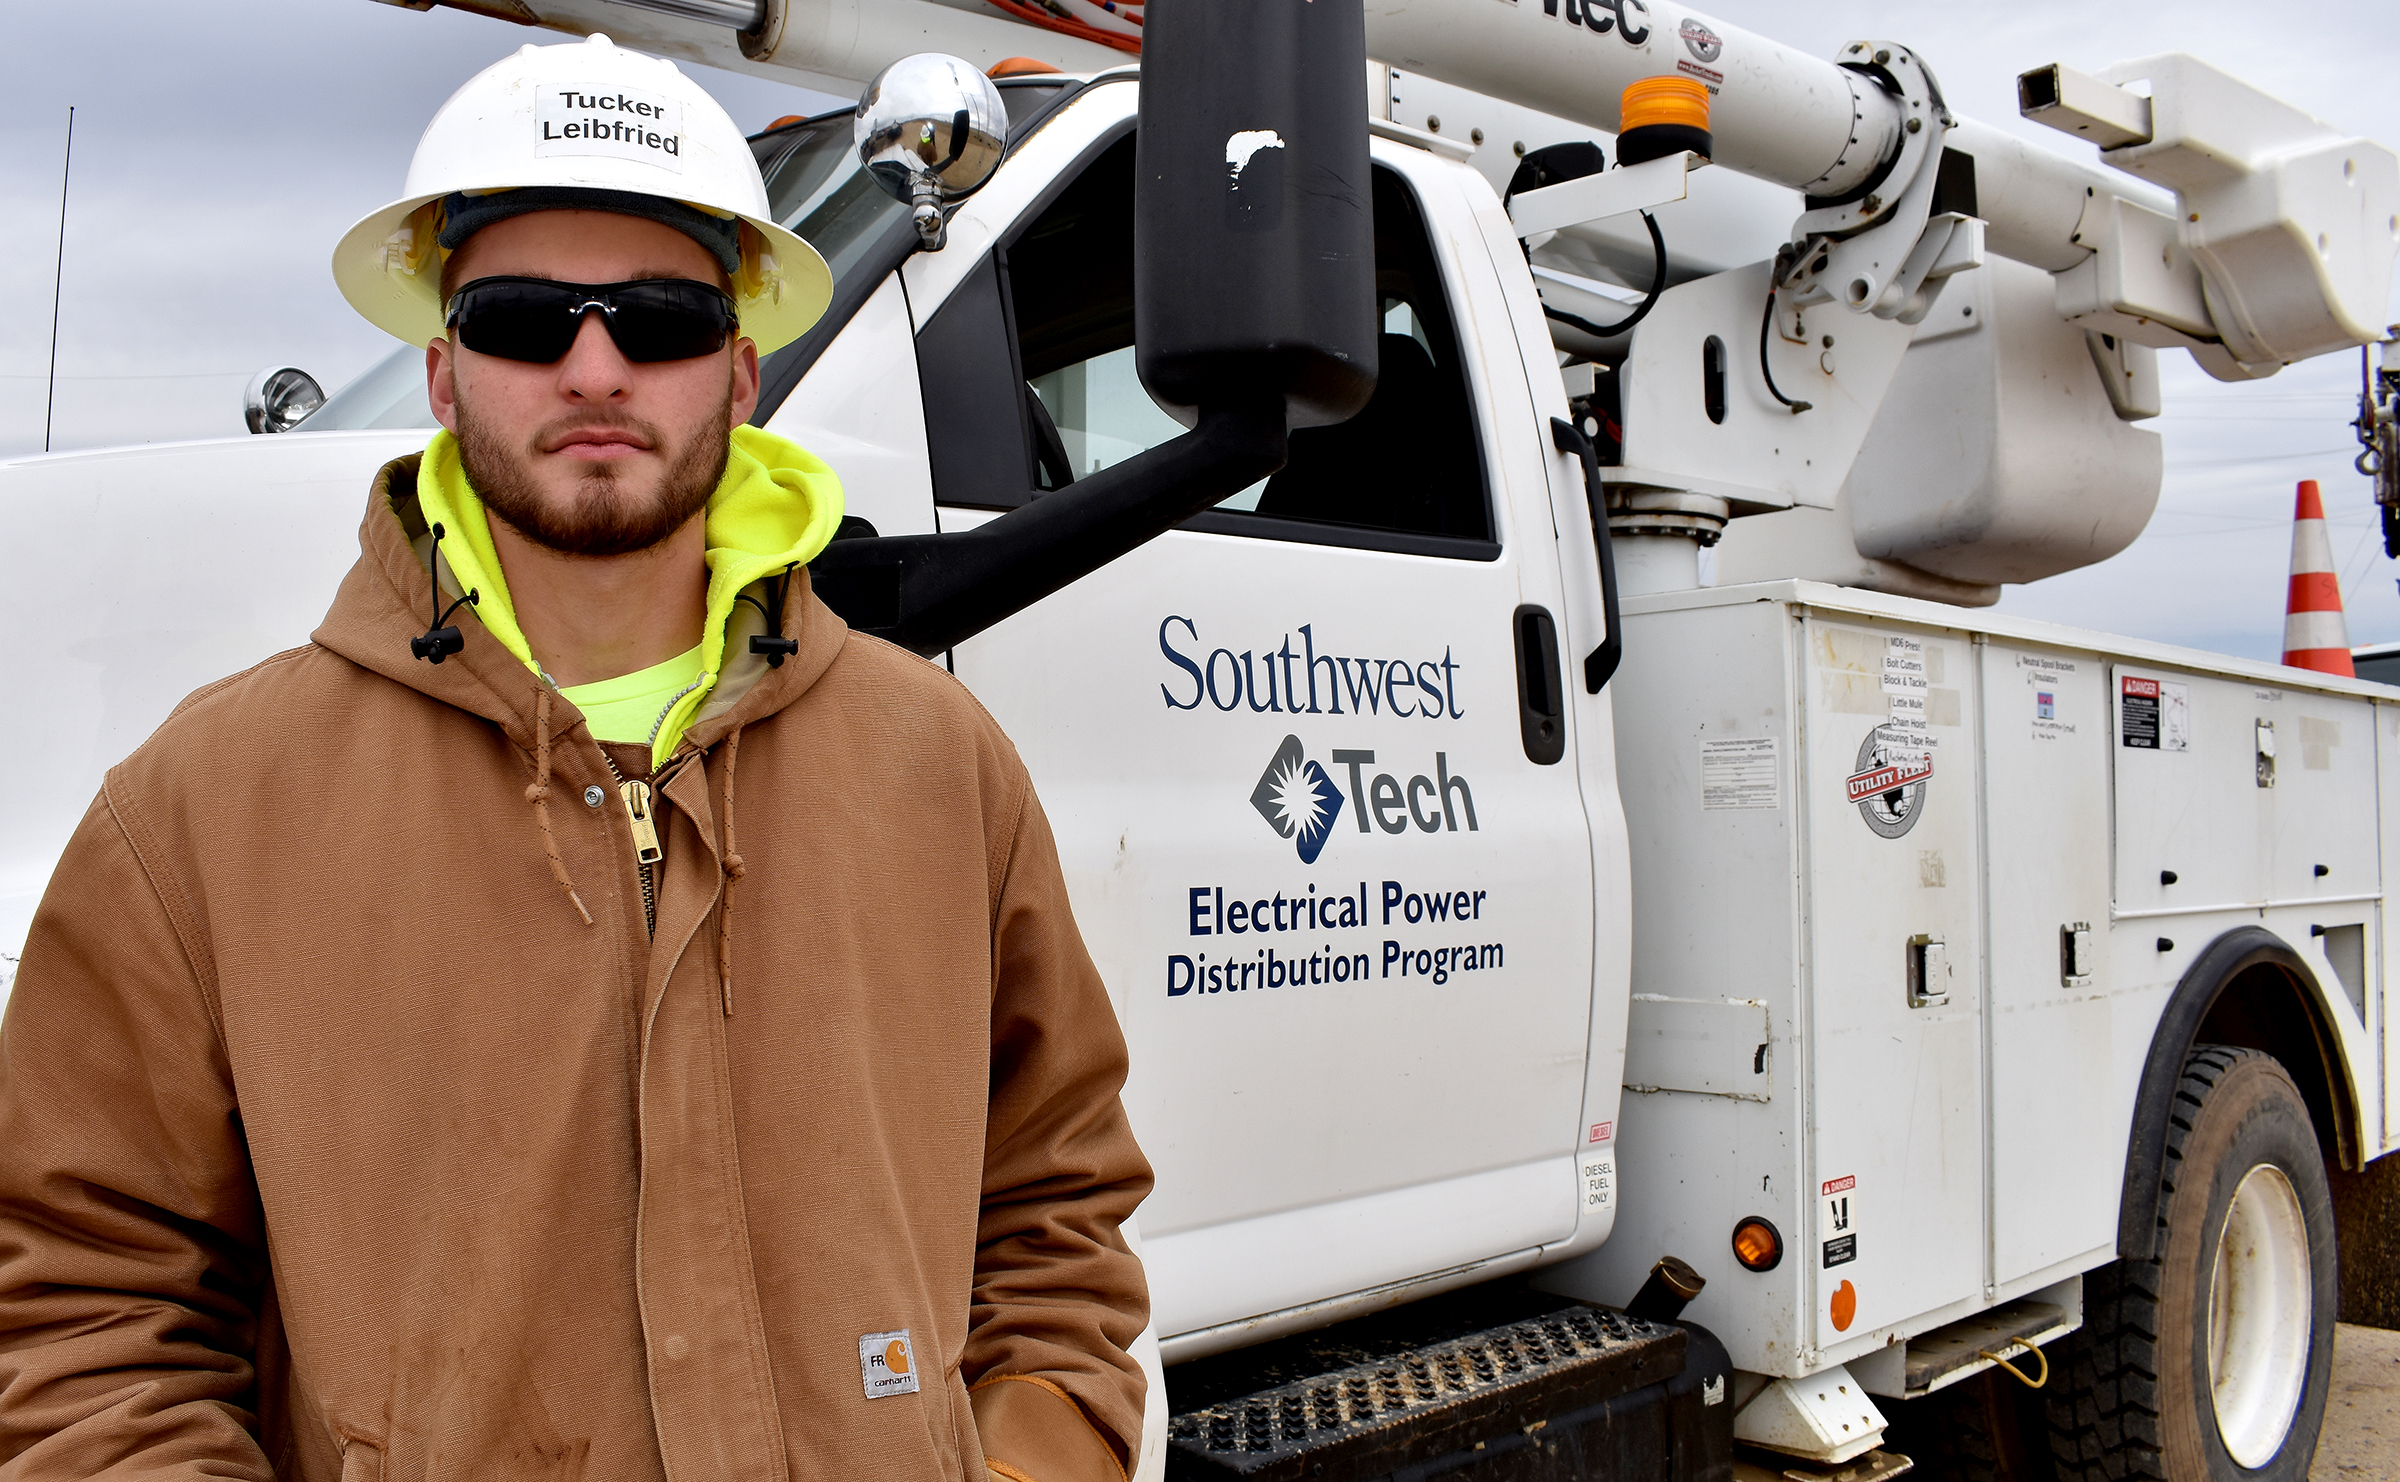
(1628, 18)
(1300, 801)
(1889, 783)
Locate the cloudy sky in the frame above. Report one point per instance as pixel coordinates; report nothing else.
(221, 146)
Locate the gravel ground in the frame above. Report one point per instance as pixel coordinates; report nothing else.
(2361, 1440)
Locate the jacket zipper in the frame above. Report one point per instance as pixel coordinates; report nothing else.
(636, 797)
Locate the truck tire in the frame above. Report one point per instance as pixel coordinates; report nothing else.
(2212, 1362)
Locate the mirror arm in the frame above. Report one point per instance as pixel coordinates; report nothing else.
(927, 593)
(1601, 663)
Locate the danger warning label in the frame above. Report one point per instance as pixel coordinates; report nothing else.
(1837, 1225)
(2154, 714)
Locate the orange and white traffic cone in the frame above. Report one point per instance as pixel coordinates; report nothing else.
(2314, 634)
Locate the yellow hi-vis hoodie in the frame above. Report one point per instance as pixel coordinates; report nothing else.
(776, 507)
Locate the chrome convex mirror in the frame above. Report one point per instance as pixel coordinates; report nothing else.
(931, 131)
(280, 398)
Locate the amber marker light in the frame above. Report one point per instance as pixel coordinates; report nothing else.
(1658, 116)
(1757, 1244)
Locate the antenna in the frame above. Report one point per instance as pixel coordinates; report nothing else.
(66, 172)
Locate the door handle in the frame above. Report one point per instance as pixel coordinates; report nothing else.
(1540, 713)
(1601, 662)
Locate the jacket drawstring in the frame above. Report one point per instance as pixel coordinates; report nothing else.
(733, 875)
(539, 795)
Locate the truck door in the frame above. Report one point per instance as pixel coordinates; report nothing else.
(1309, 763)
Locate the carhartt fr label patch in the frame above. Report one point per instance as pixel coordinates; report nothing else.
(887, 1365)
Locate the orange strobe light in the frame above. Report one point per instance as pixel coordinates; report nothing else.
(1757, 1244)
(1659, 116)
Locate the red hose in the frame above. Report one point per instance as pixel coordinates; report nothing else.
(1034, 17)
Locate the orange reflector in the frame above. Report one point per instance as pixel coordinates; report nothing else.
(1757, 1244)
(1845, 1307)
(1664, 100)
(1017, 67)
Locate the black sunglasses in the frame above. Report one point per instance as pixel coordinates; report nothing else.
(535, 320)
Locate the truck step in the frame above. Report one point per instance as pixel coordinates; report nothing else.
(1412, 1411)
(1946, 1355)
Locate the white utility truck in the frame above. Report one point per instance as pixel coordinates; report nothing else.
(1494, 909)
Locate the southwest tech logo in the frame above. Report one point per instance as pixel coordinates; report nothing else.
(1302, 802)
(1297, 799)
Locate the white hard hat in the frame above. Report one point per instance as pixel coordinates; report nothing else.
(591, 116)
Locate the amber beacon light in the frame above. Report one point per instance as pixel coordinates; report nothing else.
(1757, 1244)
(1661, 115)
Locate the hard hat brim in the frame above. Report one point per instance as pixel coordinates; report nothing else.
(409, 305)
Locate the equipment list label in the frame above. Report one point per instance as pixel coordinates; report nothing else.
(1907, 742)
(1739, 775)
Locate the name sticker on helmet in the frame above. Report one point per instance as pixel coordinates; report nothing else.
(621, 123)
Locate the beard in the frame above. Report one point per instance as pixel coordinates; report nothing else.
(607, 511)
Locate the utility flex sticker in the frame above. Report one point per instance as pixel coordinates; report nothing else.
(1889, 782)
(1895, 761)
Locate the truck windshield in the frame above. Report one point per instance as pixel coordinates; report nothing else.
(814, 186)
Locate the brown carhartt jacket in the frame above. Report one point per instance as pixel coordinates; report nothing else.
(334, 1143)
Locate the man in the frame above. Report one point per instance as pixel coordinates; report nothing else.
(586, 1015)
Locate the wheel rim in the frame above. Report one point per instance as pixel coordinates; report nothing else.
(2259, 1315)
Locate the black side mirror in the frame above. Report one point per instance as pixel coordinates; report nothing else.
(1254, 232)
(1254, 312)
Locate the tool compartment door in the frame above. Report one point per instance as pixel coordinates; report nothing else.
(2187, 802)
(1895, 1087)
(2323, 864)
(2066, 1048)
(2324, 842)
(1345, 913)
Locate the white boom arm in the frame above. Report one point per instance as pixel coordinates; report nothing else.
(2266, 236)
(2254, 236)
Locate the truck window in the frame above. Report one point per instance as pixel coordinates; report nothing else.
(1405, 473)
(816, 187)
(388, 394)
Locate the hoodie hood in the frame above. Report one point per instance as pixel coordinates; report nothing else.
(775, 509)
